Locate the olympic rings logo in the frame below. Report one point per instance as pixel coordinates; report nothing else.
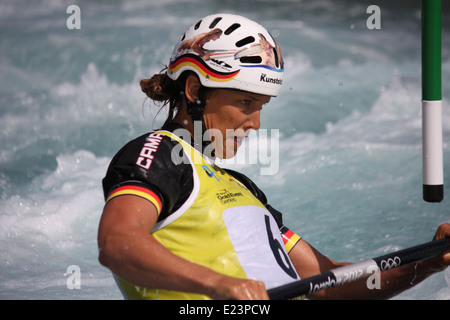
(390, 263)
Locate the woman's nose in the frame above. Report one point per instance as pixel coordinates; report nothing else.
(253, 121)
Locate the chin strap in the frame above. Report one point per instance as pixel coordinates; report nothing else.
(195, 110)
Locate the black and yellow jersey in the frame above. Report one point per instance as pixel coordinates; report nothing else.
(210, 216)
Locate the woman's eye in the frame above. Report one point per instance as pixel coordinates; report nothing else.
(245, 102)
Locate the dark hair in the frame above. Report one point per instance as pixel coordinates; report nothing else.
(161, 88)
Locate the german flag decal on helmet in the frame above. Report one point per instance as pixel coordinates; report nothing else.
(194, 62)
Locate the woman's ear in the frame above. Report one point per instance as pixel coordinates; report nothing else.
(191, 87)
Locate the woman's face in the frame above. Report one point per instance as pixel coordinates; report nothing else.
(229, 115)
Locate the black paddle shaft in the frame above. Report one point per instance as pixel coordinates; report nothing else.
(334, 277)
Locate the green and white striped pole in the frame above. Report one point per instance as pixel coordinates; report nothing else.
(433, 180)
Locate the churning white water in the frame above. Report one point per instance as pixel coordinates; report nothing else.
(348, 162)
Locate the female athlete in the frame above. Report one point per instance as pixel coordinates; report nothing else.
(175, 225)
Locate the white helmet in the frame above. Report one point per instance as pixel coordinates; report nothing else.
(230, 51)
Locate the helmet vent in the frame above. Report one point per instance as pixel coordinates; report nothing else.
(245, 41)
(232, 28)
(275, 54)
(215, 22)
(197, 25)
(252, 59)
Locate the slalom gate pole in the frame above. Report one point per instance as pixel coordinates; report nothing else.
(432, 157)
(360, 270)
